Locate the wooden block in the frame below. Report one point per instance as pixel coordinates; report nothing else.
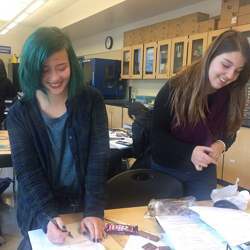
(229, 6)
(244, 19)
(229, 21)
(205, 26)
(244, 10)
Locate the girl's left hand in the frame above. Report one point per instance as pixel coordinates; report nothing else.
(218, 149)
(94, 227)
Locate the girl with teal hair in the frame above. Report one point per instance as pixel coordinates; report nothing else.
(59, 140)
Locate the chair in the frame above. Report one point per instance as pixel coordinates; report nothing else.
(138, 186)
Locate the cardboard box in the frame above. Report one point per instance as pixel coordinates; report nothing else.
(244, 19)
(244, 10)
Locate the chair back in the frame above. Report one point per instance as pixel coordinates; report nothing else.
(138, 186)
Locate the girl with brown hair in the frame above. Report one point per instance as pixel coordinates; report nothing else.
(198, 112)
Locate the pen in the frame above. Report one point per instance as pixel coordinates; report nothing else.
(63, 229)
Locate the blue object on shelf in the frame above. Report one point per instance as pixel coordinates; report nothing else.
(104, 74)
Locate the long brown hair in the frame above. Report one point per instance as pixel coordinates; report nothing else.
(190, 87)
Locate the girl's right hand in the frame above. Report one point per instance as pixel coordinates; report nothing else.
(54, 234)
(201, 158)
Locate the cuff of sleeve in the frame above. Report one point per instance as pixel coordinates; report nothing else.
(99, 214)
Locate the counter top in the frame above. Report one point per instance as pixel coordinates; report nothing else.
(117, 102)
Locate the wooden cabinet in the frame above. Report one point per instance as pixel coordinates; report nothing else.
(237, 160)
(114, 116)
(137, 60)
(245, 29)
(125, 117)
(126, 63)
(219, 168)
(213, 34)
(163, 59)
(178, 54)
(197, 44)
(149, 60)
(117, 116)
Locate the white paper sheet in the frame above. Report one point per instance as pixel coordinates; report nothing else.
(137, 242)
(188, 233)
(233, 225)
(39, 241)
(118, 139)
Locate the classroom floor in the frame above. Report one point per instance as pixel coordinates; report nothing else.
(8, 224)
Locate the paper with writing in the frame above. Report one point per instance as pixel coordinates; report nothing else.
(39, 241)
(188, 233)
(233, 225)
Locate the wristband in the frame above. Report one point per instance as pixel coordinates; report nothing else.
(224, 145)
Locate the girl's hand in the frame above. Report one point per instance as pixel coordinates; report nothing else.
(94, 227)
(54, 234)
(201, 157)
(218, 148)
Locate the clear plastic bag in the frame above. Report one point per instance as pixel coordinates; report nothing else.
(231, 193)
(161, 207)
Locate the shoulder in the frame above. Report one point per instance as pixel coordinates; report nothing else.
(90, 94)
(164, 94)
(5, 83)
(16, 114)
(86, 99)
(19, 107)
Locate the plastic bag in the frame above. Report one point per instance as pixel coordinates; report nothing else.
(231, 193)
(161, 207)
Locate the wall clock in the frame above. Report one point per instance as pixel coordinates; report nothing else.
(108, 42)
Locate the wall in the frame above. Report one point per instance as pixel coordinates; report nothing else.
(94, 46)
(15, 41)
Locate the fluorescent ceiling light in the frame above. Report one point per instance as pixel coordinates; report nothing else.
(4, 31)
(11, 25)
(21, 17)
(11, 8)
(34, 6)
(18, 12)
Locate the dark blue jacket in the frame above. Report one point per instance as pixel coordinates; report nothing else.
(31, 149)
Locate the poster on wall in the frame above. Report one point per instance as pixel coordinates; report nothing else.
(5, 49)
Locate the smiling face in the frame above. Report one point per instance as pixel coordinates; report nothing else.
(225, 69)
(56, 74)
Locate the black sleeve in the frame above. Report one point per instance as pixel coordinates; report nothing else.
(229, 140)
(33, 186)
(95, 179)
(11, 92)
(165, 147)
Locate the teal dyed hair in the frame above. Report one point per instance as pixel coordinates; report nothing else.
(37, 48)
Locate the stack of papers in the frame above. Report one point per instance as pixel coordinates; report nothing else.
(39, 241)
(213, 228)
(139, 243)
(188, 233)
(233, 225)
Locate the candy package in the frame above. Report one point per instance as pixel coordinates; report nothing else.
(159, 207)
